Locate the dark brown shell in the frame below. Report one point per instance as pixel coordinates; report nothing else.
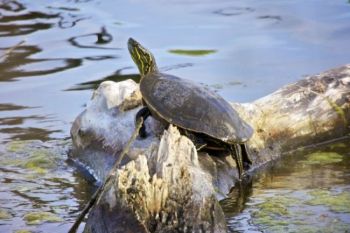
(193, 107)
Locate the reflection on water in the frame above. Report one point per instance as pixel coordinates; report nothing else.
(102, 37)
(307, 191)
(15, 29)
(118, 76)
(234, 11)
(12, 125)
(11, 107)
(28, 133)
(19, 64)
(271, 17)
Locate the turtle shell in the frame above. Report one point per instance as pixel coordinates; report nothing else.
(193, 107)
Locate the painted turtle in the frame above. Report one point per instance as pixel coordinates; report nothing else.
(191, 107)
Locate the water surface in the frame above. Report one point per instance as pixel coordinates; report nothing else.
(53, 54)
(305, 191)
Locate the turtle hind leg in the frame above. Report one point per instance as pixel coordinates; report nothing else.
(238, 158)
(247, 161)
(143, 113)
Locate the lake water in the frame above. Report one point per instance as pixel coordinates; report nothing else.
(306, 191)
(54, 53)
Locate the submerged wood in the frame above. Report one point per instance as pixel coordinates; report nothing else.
(165, 185)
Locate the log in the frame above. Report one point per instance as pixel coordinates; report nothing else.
(165, 185)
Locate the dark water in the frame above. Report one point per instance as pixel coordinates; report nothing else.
(54, 53)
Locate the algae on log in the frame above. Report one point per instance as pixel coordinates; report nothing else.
(165, 185)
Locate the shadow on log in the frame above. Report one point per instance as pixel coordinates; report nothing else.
(164, 185)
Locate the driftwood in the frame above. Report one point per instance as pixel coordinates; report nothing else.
(165, 185)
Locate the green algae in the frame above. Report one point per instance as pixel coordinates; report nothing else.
(334, 226)
(35, 218)
(269, 221)
(276, 214)
(217, 86)
(323, 158)
(190, 52)
(338, 145)
(40, 160)
(23, 231)
(5, 214)
(336, 202)
(26, 154)
(272, 207)
(17, 146)
(274, 211)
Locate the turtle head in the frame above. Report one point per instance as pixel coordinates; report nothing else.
(143, 58)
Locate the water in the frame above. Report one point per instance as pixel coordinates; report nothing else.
(66, 48)
(37, 181)
(307, 191)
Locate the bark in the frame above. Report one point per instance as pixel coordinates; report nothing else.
(165, 185)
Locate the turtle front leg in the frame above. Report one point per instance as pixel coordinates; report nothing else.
(142, 113)
(238, 158)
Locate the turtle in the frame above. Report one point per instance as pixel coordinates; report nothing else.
(193, 108)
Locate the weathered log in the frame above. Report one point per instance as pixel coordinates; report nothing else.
(165, 185)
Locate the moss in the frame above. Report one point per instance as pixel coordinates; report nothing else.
(323, 158)
(5, 214)
(35, 218)
(337, 203)
(189, 52)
